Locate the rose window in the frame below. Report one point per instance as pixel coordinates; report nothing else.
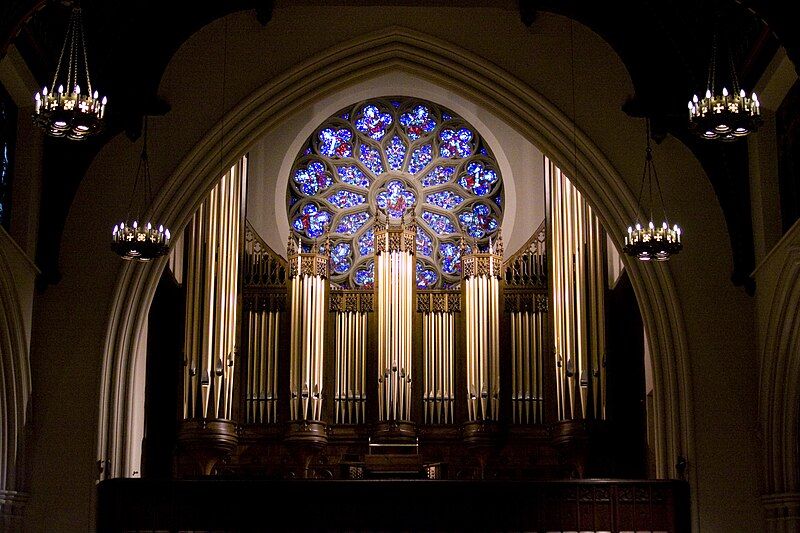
(400, 157)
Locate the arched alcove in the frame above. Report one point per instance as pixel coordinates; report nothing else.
(474, 80)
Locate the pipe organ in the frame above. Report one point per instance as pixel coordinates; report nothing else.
(577, 263)
(395, 248)
(481, 277)
(525, 277)
(265, 277)
(212, 293)
(509, 361)
(308, 273)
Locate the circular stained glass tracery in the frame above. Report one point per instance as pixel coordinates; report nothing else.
(397, 155)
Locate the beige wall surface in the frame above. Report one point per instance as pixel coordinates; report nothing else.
(71, 318)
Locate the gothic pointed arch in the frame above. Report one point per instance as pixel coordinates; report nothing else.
(476, 79)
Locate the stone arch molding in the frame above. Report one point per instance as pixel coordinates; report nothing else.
(473, 78)
(780, 394)
(15, 392)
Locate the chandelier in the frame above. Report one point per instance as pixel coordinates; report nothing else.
(723, 115)
(133, 241)
(66, 110)
(649, 241)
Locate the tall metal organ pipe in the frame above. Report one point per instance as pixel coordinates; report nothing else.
(481, 272)
(308, 284)
(212, 247)
(395, 249)
(577, 264)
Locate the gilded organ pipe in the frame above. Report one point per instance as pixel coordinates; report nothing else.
(308, 275)
(395, 248)
(577, 267)
(212, 241)
(481, 273)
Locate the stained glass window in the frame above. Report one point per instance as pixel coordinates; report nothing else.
(396, 155)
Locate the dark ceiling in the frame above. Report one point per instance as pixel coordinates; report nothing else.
(664, 44)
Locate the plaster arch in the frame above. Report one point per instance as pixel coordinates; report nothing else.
(475, 79)
(780, 381)
(15, 391)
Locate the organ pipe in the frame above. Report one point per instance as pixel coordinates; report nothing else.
(212, 244)
(308, 282)
(395, 248)
(350, 343)
(438, 310)
(578, 285)
(481, 273)
(526, 303)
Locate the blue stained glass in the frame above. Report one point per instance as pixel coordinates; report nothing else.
(352, 175)
(313, 178)
(444, 199)
(311, 221)
(293, 200)
(455, 143)
(478, 222)
(395, 103)
(499, 200)
(395, 199)
(419, 158)
(446, 115)
(440, 224)
(396, 153)
(371, 158)
(450, 253)
(350, 224)
(345, 199)
(336, 142)
(307, 151)
(424, 243)
(478, 179)
(373, 123)
(366, 243)
(438, 176)
(345, 116)
(417, 122)
(365, 276)
(426, 277)
(340, 257)
(483, 151)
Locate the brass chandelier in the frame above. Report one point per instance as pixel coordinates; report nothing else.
(65, 110)
(649, 241)
(133, 241)
(722, 115)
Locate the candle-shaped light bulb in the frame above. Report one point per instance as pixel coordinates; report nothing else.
(96, 95)
(651, 225)
(708, 93)
(161, 229)
(665, 225)
(695, 99)
(104, 100)
(44, 91)
(638, 227)
(742, 93)
(724, 91)
(166, 233)
(149, 226)
(77, 89)
(38, 98)
(135, 224)
(60, 89)
(116, 229)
